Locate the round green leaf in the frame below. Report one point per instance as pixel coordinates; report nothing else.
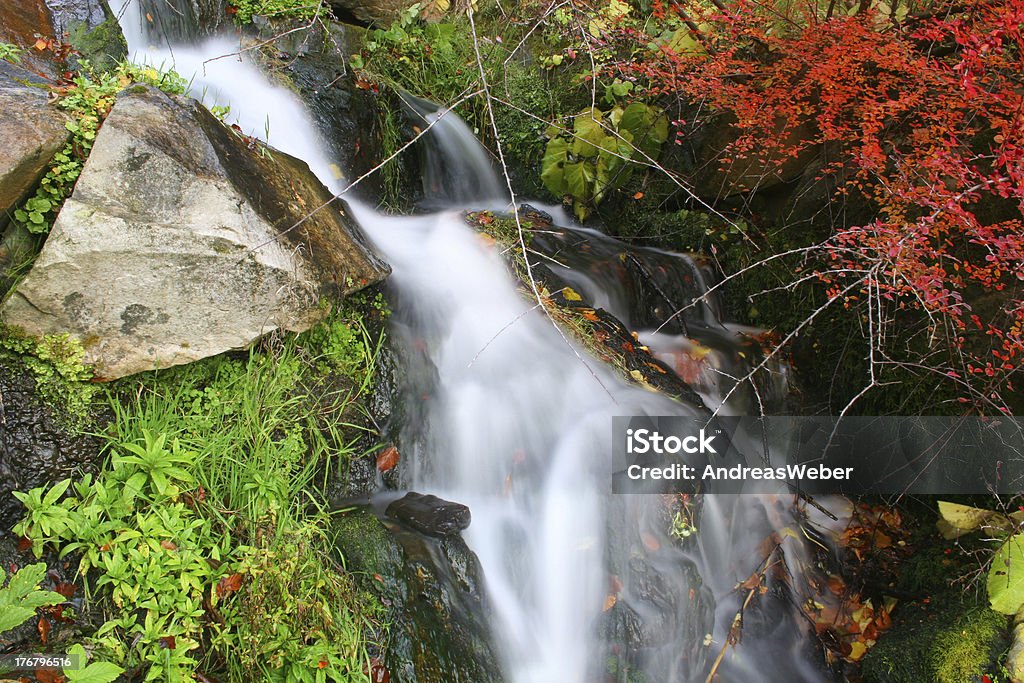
(1006, 576)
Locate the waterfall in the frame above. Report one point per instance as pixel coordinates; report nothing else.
(456, 168)
(220, 75)
(518, 425)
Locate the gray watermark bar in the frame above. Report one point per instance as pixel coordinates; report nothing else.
(29, 662)
(818, 455)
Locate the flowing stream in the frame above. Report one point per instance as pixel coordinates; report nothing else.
(518, 428)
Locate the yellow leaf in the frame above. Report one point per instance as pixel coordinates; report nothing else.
(698, 352)
(570, 294)
(609, 602)
(857, 651)
(635, 374)
(958, 520)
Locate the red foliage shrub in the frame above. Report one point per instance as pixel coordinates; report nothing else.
(923, 115)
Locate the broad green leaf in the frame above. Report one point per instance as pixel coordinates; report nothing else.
(552, 166)
(97, 672)
(11, 617)
(54, 494)
(576, 180)
(1006, 576)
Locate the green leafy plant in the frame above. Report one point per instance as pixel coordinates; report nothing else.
(202, 540)
(10, 53)
(96, 672)
(22, 595)
(302, 10)
(601, 152)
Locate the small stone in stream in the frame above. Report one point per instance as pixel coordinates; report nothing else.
(536, 216)
(430, 515)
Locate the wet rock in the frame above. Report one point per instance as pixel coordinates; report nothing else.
(662, 611)
(381, 12)
(183, 21)
(204, 241)
(349, 117)
(22, 23)
(644, 288)
(31, 132)
(91, 28)
(430, 515)
(433, 591)
(35, 449)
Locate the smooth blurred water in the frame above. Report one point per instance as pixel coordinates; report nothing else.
(516, 423)
(222, 76)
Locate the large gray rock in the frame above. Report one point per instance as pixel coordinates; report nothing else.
(184, 239)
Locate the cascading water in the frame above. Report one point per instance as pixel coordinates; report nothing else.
(518, 427)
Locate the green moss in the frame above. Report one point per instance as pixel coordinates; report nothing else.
(302, 10)
(62, 378)
(950, 640)
(104, 46)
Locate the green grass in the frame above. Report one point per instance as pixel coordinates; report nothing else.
(204, 538)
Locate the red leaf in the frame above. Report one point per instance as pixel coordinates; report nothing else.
(49, 676)
(44, 629)
(24, 544)
(387, 459)
(66, 589)
(229, 584)
(167, 643)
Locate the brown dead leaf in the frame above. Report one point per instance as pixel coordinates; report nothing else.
(387, 459)
(229, 584)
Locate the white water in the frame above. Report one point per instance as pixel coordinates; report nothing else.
(518, 423)
(221, 76)
(519, 432)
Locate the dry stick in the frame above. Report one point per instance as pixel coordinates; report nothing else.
(515, 208)
(737, 620)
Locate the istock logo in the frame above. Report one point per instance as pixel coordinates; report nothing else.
(642, 441)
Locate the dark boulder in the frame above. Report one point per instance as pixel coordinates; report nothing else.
(434, 594)
(91, 28)
(349, 112)
(430, 514)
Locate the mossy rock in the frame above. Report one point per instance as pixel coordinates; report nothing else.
(103, 46)
(433, 589)
(951, 639)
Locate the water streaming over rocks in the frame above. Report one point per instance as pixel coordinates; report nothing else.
(516, 424)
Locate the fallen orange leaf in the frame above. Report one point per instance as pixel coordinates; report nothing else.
(387, 459)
